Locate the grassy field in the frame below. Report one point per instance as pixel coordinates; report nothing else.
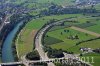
(47, 40)
(96, 58)
(92, 44)
(95, 28)
(68, 44)
(25, 39)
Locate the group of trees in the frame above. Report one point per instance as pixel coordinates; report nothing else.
(97, 50)
(53, 53)
(40, 64)
(34, 55)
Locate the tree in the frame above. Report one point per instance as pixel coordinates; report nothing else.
(76, 37)
(33, 55)
(61, 33)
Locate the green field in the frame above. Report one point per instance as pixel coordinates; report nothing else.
(25, 39)
(96, 58)
(95, 28)
(68, 44)
(91, 44)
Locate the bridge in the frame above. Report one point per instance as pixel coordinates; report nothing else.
(26, 63)
(39, 48)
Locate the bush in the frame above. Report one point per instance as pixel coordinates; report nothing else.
(54, 53)
(34, 55)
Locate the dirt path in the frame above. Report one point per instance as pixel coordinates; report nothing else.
(85, 31)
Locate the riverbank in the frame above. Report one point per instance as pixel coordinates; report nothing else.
(9, 48)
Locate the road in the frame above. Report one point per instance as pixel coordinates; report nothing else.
(39, 47)
(38, 43)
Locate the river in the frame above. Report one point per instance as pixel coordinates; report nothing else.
(7, 55)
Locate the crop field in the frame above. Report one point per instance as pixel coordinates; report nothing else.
(51, 40)
(95, 27)
(75, 36)
(90, 23)
(84, 25)
(92, 44)
(68, 44)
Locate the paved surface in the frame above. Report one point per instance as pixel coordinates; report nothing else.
(85, 31)
(38, 44)
(39, 48)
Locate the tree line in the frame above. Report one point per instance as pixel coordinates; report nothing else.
(57, 10)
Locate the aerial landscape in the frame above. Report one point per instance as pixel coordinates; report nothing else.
(49, 32)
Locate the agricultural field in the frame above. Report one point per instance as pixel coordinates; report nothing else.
(58, 41)
(67, 44)
(95, 27)
(25, 37)
(75, 36)
(92, 44)
(94, 58)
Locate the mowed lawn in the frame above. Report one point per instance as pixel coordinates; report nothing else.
(25, 38)
(68, 44)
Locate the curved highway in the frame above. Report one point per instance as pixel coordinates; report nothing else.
(38, 43)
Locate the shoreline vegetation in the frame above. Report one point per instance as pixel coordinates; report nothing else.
(13, 41)
(15, 53)
(57, 39)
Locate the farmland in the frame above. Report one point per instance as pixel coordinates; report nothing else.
(95, 27)
(68, 44)
(77, 32)
(96, 58)
(29, 31)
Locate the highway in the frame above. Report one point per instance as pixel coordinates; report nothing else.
(38, 44)
(39, 48)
